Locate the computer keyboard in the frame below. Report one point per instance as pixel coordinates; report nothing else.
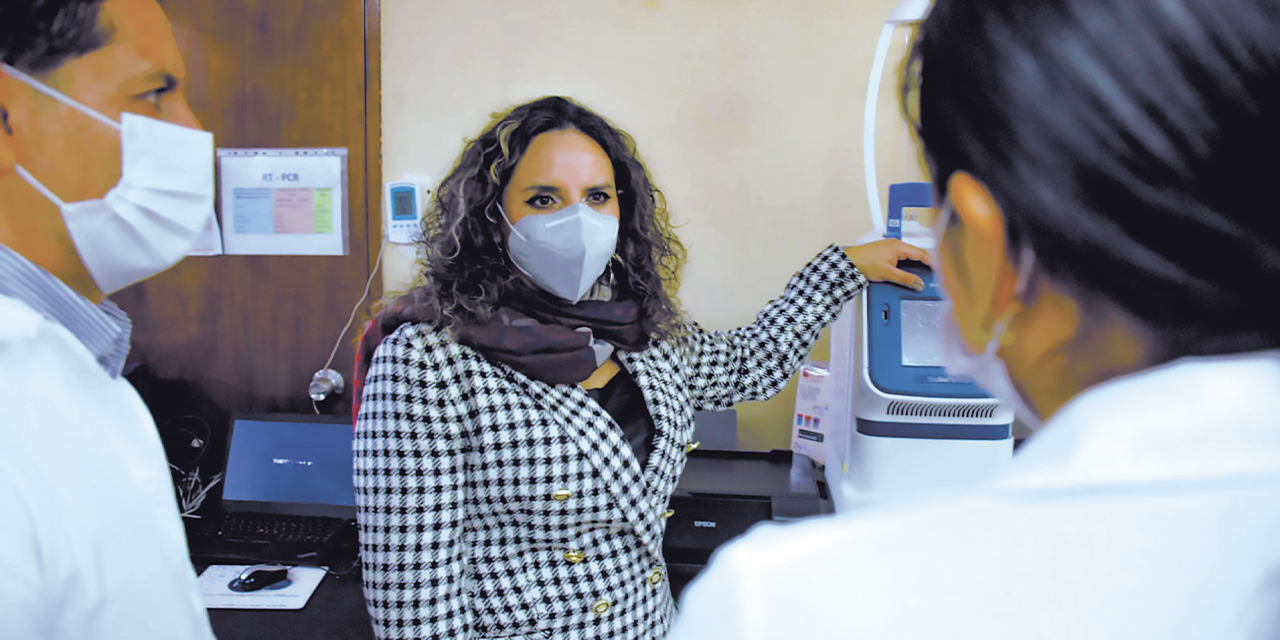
(270, 528)
(313, 540)
(277, 528)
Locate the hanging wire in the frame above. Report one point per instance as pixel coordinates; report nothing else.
(367, 285)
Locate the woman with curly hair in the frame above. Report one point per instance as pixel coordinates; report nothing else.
(526, 418)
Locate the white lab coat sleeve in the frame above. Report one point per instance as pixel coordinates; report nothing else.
(726, 601)
(21, 584)
(22, 588)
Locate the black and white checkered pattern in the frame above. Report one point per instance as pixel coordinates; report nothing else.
(477, 486)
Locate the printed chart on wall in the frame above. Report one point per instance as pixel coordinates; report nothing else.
(284, 201)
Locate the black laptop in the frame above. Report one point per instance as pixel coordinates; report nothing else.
(287, 493)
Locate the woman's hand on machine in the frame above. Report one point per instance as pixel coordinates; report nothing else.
(878, 261)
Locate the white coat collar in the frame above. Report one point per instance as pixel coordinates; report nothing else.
(1192, 420)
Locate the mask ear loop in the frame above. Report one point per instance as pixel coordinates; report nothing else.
(36, 184)
(1026, 263)
(64, 99)
(59, 96)
(510, 259)
(508, 221)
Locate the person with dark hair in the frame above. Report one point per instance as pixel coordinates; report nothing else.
(527, 415)
(105, 180)
(1110, 249)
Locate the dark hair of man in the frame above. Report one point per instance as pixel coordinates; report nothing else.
(38, 36)
(466, 275)
(1134, 144)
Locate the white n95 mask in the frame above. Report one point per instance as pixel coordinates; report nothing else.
(986, 369)
(155, 213)
(563, 252)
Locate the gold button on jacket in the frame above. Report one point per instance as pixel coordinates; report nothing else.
(668, 513)
(692, 445)
(655, 577)
(574, 556)
(561, 495)
(600, 606)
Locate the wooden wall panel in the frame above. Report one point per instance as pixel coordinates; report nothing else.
(250, 330)
(373, 128)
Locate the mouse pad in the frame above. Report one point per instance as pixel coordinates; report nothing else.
(292, 593)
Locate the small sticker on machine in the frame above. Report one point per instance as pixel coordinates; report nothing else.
(809, 435)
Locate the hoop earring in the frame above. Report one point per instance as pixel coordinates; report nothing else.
(612, 281)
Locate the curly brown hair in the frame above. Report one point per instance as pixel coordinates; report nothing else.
(466, 275)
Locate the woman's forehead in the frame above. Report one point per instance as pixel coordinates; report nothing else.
(565, 158)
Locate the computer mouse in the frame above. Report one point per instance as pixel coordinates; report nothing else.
(259, 576)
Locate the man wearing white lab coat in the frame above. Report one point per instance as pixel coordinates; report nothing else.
(1109, 245)
(91, 543)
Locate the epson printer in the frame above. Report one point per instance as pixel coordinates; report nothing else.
(724, 492)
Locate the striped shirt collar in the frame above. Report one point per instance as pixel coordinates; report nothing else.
(103, 329)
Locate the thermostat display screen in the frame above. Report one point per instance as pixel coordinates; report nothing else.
(402, 204)
(922, 333)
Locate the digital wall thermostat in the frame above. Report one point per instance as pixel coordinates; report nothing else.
(405, 204)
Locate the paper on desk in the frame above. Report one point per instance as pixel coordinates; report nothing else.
(216, 593)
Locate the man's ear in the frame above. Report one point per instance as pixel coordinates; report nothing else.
(980, 259)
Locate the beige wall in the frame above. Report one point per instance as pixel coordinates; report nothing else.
(748, 113)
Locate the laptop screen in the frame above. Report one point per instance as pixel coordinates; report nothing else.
(283, 463)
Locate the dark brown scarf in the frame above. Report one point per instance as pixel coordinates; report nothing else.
(548, 340)
(538, 338)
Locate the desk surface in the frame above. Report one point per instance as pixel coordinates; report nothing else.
(335, 610)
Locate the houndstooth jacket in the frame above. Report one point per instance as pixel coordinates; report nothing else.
(496, 506)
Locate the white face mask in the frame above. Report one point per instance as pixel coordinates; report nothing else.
(155, 214)
(563, 252)
(986, 369)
